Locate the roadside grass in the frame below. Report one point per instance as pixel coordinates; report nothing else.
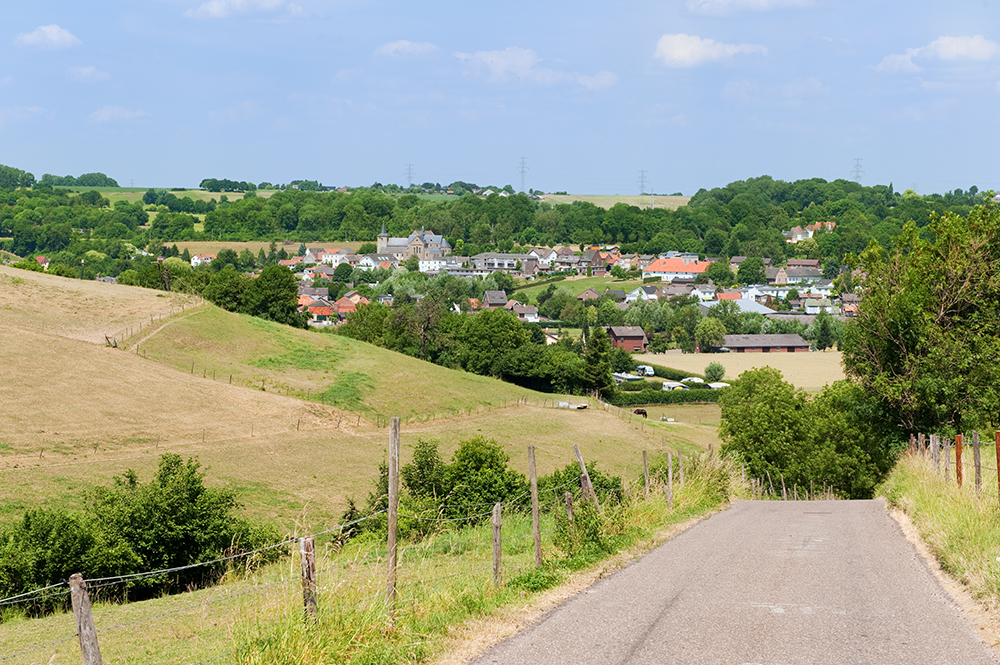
(809, 371)
(444, 582)
(961, 529)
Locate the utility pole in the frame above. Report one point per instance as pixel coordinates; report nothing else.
(523, 168)
(642, 183)
(409, 175)
(857, 172)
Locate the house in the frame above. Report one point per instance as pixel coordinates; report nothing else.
(645, 292)
(734, 263)
(544, 255)
(494, 299)
(729, 294)
(196, 260)
(630, 338)
(377, 262)
(804, 263)
(797, 233)
(494, 261)
(589, 294)
(617, 295)
(675, 268)
(850, 302)
(765, 343)
(815, 306)
(796, 275)
(528, 313)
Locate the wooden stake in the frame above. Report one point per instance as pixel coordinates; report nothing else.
(535, 517)
(390, 590)
(85, 628)
(497, 549)
(307, 550)
(588, 487)
(670, 480)
(958, 458)
(645, 471)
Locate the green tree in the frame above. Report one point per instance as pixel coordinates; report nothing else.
(709, 334)
(343, 273)
(925, 340)
(274, 295)
(597, 363)
(412, 263)
(714, 372)
(751, 271)
(824, 330)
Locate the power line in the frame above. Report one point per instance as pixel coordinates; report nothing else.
(409, 175)
(642, 182)
(523, 168)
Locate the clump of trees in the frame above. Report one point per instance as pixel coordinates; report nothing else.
(832, 441)
(131, 526)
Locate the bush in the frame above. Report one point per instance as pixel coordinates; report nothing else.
(670, 373)
(714, 372)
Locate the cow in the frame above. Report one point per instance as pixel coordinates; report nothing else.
(640, 412)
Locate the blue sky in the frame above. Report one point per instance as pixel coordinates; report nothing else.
(694, 93)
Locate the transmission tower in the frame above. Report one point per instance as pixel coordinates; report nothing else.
(857, 172)
(642, 182)
(522, 169)
(409, 175)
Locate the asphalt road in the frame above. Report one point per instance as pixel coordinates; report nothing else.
(768, 583)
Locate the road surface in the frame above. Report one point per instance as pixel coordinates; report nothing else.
(768, 583)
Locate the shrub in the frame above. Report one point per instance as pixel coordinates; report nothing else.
(714, 372)
(625, 399)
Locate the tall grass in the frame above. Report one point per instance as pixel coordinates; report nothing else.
(961, 528)
(446, 579)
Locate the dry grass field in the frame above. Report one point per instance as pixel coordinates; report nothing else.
(809, 371)
(608, 201)
(215, 246)
(75, 413)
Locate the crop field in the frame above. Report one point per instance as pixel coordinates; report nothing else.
(292, 248)
(809, 371)
(76, 413)
(133, 194)
(609, 201)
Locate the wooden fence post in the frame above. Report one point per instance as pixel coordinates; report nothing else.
(946, 451)
(670, 480)
(390, 591)
(497, 549)
(645, 471)
(536, 528)
(568, 498)
(85, 628)
(978, 462)
(936, 452)
(307, 550)
(588, 487)
(958, 458)
(680, 463)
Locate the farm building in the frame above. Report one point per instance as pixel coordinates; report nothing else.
(765, 343)
(630, 338)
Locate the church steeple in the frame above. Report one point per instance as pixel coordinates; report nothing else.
(382, 240)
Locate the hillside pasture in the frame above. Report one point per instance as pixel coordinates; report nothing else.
(578, 284)
(292, 248)
(609, 201)
(809, 371)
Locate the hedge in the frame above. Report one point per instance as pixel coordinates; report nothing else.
(671, 374)
(663, 397)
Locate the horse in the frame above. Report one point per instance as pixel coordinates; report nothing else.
(640, 412)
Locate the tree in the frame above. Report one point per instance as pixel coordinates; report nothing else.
(343, 273)
(597, 363)
(274, 296)
(751, 271)
(925, 342)
(709, 334)
(412, 263)
(720, 274)
(824, 331)
(714, 372)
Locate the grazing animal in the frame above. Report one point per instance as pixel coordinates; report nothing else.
(640, 412)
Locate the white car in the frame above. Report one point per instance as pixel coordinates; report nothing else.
(645, 370)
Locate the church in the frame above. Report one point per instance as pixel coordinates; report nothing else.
(420, 243)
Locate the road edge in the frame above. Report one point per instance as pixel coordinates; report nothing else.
(473, 638)
(986, 623)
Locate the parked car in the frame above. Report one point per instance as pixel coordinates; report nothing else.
(645, 370)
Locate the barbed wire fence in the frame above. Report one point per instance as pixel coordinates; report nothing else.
(942, 452)
(381, 580)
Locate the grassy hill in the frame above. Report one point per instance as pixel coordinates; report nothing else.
(75, 412)
(609, 201)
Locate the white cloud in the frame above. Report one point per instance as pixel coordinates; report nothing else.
(725, 7)
(805, 87)
(598, 81)
(48, 36)
(20, 113)
(405, 48)
(88, 74)
(522, 64)
(690, 50)
(227, 8)
(942, 48)
(114, 114)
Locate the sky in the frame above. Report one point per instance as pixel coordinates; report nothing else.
(588, 97)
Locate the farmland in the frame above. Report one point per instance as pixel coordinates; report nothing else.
(809, 371)
(609, 201)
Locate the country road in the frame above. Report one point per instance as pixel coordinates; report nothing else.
(766, 582)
